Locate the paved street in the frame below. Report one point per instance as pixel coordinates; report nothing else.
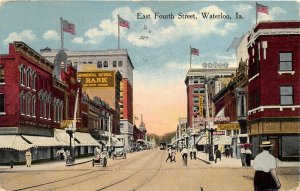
(146, 170)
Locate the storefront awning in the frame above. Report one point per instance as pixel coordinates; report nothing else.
(85, 139)
(81, 139)
(40, 141)
(15, 142)
(223, 140)
(203, 141)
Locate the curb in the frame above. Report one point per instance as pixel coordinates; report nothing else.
(74, 164)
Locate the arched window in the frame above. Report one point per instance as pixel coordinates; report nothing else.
(105, 64)
(99, 64)
(28, 74)
(33, 106)
(22, 71)
(33, 80)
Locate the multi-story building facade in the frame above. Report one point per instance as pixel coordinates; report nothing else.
(34, 105)
(195, 85)
(273, 87)
(117, 60)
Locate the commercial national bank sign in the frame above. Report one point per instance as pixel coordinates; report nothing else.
(97, 79)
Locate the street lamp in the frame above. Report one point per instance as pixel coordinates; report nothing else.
(211, 154)
(70, 130)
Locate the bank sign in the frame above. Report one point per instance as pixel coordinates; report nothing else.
(97, 79)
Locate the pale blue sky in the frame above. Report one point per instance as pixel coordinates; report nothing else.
(162, 60)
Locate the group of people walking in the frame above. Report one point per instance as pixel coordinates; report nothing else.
(171, 154)
(184, 154)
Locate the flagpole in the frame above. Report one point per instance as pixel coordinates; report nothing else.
(256, 12)
(61, 35)
(118, 33)
(190, 56)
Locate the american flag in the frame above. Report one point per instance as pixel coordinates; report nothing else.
(68, 27)
(195, 51)
(123, 23)
(262, 8)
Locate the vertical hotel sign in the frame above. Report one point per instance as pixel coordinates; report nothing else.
(200, 105)
(97, 79)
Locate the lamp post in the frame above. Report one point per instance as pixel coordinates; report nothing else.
(211, 154)
(70, 130)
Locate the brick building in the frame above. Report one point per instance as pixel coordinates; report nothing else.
(274, 78)
(33, 105)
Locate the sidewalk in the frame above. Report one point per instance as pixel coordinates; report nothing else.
(234, 162)
(45, 165)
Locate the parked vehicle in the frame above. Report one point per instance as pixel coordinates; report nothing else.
(100, 159)
(119, 152)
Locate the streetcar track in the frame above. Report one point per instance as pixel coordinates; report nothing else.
(150, 179)
(76, 176)
(133, 174)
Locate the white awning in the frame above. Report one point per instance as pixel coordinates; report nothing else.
(14, 142)
(81, 139)
(86, 139)
(41, 141)
(203, 141)
(62, 136)
(223, 140)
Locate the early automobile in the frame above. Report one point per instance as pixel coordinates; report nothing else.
(119, 152)
(100, 158)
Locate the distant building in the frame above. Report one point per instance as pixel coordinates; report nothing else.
(195, 86)
(273, 87)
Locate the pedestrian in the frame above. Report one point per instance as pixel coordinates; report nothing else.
(265, 177)
(231, 152)
(169, 155)
(174, 154)
(184, 153)
(248, 156)
(194, 150)
(28, 158)
(58, 155)
(243, 155)
(227, 152)
(218, 155)
(191, 154)
(68, 156)
(62, 151)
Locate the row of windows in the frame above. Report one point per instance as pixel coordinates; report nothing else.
(286, 97)
(27, 77)
(104, 64)
(199, 90)
(285, 62)
(28, 107)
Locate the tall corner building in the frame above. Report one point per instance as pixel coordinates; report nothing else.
(274, 87)
(195, 81)
(116, 60)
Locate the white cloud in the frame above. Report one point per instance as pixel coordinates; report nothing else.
(156, 33)
(51, 35)
(78, 40)
(244, 9)
(25, 35)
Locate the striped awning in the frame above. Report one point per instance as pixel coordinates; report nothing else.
(15, 142)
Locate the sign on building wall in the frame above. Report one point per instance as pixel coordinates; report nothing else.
(97, 79)
(201, 106)
(229, 126)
